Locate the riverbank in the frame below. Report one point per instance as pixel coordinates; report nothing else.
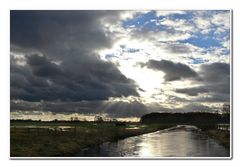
(53, 142)
(177, 141)
(223, 137)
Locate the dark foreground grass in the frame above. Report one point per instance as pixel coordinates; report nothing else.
(42, 142)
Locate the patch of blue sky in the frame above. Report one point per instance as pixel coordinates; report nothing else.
(212, 39)
(203, 40)
(124, 48)
(110, 56)
(148, 21)
(132, 50)
(226, 52)
(139, 19)
(187, 15)
(198, 60)
(223, 36)
(144, 21)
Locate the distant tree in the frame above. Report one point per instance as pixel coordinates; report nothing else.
(55, 120)
(114, 120)
(74, 119)
(98, 119)
(226, 108)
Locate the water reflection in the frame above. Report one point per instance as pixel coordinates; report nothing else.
(172, 143)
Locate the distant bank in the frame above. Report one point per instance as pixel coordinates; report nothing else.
(194, 118)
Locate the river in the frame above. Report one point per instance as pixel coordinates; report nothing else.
(180, 141)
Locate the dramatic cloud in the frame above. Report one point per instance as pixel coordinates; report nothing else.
(193, 91)
(215, 73)
(68, 68)
(215, 80)
(173, 71)
(90, 80)
(119, 63)
(117, 109)
(65, 29)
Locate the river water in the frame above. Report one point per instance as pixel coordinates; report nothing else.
(181, 141)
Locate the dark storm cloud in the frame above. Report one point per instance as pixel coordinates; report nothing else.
(42, 67)
(173, 71)
(66, 65)
(215, 72)
(39, 29)
(92, 80)
(215, 80)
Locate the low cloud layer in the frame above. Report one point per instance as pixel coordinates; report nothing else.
(117, 109)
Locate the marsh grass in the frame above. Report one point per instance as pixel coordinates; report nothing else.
(43, 142)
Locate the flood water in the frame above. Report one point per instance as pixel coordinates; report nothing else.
(182, 141)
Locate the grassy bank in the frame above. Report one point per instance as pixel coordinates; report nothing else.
(223, 137)
(44, 142)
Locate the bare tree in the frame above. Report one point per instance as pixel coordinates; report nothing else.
(226, 108)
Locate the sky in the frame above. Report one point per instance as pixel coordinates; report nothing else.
(118, 64)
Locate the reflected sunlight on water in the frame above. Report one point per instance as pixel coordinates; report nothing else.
(172, 143)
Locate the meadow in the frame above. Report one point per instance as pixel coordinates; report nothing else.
(54, 139)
